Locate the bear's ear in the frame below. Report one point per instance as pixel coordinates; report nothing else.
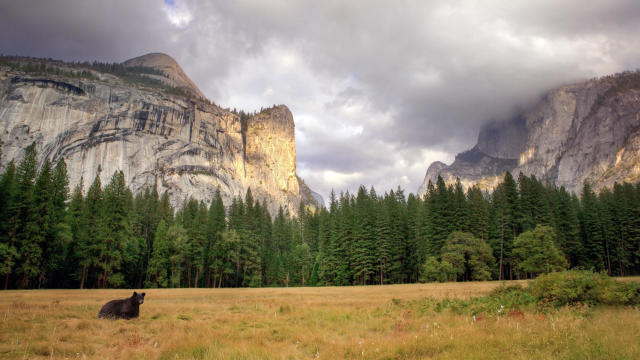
(135, 293)
(142, 294)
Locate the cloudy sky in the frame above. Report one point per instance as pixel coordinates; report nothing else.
(378, 89)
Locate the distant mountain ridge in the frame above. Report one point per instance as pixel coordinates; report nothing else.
(583, 132)
(157, 128)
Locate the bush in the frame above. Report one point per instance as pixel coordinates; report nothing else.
(535, 252)
(434, 270)
(573, 288)
(583, 287)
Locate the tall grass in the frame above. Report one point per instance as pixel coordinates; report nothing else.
(377, 322)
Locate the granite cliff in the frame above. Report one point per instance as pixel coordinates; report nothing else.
(576, 133)
(160, 132)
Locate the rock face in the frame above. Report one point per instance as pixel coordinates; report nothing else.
(175, 76)
(576, 133)
(185, 147)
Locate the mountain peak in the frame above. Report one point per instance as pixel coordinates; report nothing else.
(175, 76)
(588, 131)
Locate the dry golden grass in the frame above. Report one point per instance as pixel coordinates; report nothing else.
(376, 322)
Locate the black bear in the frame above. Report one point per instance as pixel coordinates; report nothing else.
(122, 309)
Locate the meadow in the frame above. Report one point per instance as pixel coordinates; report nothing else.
(372, 322)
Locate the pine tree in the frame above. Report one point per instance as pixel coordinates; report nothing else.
(117, 221)
(440, 216)
(507, 215)
(144, 224)
(58, 266)
(628, 216)
(384, 241)
(397, 212)
(9, 209)
(596, 247)
(343, 240)
(165, 210)
(364, 231)
(413, 255)
(478, 214)
(534, 205)
(178, 241)
(159, 264)
(80, 250)
(216, 225)
(329, 265)
(303, 263)
(460, 215)
(25, 227)
(566, 224)
(94, 210)
(43, 235)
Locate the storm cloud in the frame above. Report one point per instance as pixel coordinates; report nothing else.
(378, 89)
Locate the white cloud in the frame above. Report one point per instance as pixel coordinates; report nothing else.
(378, 90)
(177, 13)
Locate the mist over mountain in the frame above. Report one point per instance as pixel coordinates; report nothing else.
(588, 131)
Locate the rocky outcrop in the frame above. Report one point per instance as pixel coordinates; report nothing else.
(185, 147)
(174, 75)
(576, 133)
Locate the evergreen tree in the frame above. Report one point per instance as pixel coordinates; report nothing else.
(81, 248)
(97, 233)
(440, 217)
(460, 216)
(43, 235)
(25, 227)
(478, 214)
(364, 232)
(117, 223)
(178, 242)
(413, 255)
(596, 246)
(628, 219)
(145, 221)
(159, 263)
(216, 225)
(58, 266)
(303, 263)
(165, 210)
(534, 205)
(507, 215)
(566, 224)
(9, 209)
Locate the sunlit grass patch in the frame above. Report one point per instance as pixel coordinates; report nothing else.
(448, 321)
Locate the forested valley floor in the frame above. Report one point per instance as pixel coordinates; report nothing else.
(51, 237)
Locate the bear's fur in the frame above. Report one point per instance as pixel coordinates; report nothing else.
(123, 309)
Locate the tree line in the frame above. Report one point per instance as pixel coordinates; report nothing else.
(136, 75)
(54, 237)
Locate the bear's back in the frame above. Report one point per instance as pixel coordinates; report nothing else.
(122, 309)
(117, 309)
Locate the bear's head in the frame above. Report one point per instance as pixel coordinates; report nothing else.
(138, 298)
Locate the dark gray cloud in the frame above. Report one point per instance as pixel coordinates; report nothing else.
(378, 89)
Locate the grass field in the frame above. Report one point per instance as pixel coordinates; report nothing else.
(376, 322)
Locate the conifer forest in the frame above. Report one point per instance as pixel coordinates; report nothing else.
(55, 237)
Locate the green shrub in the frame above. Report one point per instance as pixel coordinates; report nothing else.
(583, 287)
(579, 289)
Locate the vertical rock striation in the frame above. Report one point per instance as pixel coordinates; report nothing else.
(186, 147)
